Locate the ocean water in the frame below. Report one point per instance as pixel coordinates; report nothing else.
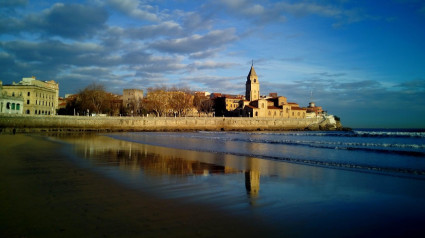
(366, 182)
(391, 150)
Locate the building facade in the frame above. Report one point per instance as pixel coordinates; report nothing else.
(9, 104)
(39, 97)
(272, 106)
(132, 99)
(252, 86)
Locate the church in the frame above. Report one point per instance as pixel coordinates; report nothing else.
(255, 105)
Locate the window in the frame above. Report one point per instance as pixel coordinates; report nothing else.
(8, 105)
(28, 111)
(18, 106)
(13, 106)
(29, 94)
(13, 94)
(262, 105)
(293, 114)
(256, 114)
(298, 113)
(28, 101)
(287, 110)
(270, 113)
(255, 80)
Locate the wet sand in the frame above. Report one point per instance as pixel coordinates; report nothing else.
(43, 194)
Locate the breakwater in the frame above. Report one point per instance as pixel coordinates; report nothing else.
(30, 123)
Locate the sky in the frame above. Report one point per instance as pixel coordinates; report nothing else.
(363, 61)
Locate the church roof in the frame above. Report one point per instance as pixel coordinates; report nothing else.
(252, 72)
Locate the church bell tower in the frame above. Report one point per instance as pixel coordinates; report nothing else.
(252, 85)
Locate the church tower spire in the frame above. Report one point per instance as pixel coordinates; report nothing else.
(252, 85)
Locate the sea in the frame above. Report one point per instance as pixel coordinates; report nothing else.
(364, 182)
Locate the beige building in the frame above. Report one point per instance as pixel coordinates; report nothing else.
(9, 104)
(252, 86)
(272, 106)
(39, 97)
(132, 99)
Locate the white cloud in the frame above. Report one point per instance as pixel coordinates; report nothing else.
(197, 43)
(133, 8)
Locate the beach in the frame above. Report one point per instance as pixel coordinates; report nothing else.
(43, 194)
(209, 184)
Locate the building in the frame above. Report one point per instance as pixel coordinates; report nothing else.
(271, 106)
(39, 97)
(314, 111)
(225, 103)
(10, 104)
(132, 99)
(252, 86)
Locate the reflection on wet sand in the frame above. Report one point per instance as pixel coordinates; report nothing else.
(252, 183)
(152, 160)
(252, 177)
(161, 161)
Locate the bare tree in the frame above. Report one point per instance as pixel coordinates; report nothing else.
(93, 97)
(180, 102)
(156, 101)
(207, 106)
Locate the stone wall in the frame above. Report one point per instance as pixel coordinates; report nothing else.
(31, 123)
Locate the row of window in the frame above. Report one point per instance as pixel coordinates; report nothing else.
(232, 105)
(44, 103)
(13, 94)
(42, 95)
(38, 112)
(287, 110)
(13, 106)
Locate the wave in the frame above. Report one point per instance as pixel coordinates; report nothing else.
(371, 147)
(392, 148)
(354, 133)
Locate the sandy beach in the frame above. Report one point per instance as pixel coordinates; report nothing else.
(165, 185)
(42, 194)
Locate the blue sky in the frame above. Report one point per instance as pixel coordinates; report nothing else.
(364, 61)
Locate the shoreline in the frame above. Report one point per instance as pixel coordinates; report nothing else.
(45, 194)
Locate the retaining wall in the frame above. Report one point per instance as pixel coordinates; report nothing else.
(31, 123)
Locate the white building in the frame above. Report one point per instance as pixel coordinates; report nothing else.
(9, 104)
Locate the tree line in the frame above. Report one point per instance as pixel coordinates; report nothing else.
(159, 101)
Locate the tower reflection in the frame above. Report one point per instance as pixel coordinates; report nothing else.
(252, 177)
(252, 183)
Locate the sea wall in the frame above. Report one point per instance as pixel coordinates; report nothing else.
(31, 123)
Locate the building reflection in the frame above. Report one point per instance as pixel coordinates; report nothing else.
(252, 183)
(160, 161)
(252, 177)
(153, 160)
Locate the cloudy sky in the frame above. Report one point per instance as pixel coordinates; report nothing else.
(363, 61)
